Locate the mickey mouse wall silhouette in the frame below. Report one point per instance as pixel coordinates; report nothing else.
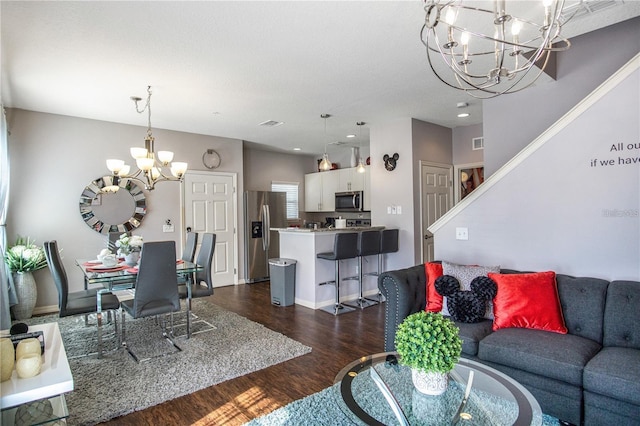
(390, 162)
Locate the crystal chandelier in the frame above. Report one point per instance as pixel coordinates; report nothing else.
(150, 165)
(491, 52)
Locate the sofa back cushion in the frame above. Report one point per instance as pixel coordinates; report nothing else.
(622, 315)
(583, 303)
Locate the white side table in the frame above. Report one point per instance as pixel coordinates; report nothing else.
(53, 382)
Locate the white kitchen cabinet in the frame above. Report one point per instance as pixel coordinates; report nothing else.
(319, 191)
(320, 188)
(350, 180)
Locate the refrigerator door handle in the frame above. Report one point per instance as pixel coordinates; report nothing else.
(266, 225)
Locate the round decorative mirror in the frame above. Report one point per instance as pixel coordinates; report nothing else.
(119, 211)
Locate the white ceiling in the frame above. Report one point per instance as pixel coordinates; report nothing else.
(221, 67)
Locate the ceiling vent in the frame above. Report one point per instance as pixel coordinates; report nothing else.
(271, 123)
(588, 7)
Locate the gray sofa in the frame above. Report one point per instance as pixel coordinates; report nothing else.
(590, 376)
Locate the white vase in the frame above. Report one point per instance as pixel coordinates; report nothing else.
(132, 258)
(27, 293)
(353, 161)
(430, 383)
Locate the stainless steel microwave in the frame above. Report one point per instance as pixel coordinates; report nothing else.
(349, 201)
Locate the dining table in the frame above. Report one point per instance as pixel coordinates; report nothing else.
(123, 277)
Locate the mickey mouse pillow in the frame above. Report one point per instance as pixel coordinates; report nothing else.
(467, 306)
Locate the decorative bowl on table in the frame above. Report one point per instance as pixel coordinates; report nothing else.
(110, 260)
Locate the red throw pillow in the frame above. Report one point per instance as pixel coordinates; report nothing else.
(434, 299)
(527, 301)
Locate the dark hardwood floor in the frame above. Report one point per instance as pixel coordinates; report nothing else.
(335, 341)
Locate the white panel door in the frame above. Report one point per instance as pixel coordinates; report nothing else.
(436, 197)
(210, 206)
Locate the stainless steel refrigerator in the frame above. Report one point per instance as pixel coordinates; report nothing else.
(263, 210)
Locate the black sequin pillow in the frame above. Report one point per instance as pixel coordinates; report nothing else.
(467, 306)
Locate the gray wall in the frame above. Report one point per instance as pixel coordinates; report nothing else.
(414, 141)
(558, 210)
(512, 122)
(263, 167)
(462, 147)
(53, 157)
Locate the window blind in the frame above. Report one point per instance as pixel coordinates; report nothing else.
(291, 189)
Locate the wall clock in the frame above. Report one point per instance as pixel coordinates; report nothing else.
(390, 162)
(211, 159)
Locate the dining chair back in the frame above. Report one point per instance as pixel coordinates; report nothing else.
(78, 302)
(205, 259)
(197, 289)
(156, 289)
(156, 283)
(113, 237)
(189, 252)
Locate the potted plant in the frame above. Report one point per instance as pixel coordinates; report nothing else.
(22, 259)
(129, 246)
(430, 345)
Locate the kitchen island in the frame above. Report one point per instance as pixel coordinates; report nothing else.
(303, 244)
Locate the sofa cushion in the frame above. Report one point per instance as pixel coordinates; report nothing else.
(622, 315)
(554, 355)
(583, 300)
(471, 335)
(434, 299)
(527, 301)
(466, 306)
(614, 372)
(465, 274)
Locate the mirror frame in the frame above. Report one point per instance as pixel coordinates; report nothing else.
(94, 189)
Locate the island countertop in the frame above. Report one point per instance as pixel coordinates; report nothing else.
(347, 229)
(303, 246)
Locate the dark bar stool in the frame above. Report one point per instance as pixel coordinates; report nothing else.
(388, 244)
(345, 246)
(368, 245)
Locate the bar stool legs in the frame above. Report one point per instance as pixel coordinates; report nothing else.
(337, 308)
(345, 246)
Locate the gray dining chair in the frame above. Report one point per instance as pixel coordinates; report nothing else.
(82, 302)
(203, 283)
(156, 290)
(188, 254)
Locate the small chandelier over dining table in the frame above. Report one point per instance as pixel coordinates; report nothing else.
(492, 52)
(150, 165)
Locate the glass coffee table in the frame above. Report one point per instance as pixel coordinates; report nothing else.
(377, 390)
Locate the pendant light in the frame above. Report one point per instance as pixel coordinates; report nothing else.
(325, 164)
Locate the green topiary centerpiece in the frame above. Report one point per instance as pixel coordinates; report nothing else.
(428, 342)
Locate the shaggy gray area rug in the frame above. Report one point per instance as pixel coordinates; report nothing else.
(116, 385)
(326, 408)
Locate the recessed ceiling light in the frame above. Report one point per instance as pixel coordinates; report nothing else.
(351, 136)
(463, 115)
(271, 123)
(296, 149)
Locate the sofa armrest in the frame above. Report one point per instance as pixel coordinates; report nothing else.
(405, 293)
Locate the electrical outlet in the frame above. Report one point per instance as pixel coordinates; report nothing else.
(462, 233)
(168, 228)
